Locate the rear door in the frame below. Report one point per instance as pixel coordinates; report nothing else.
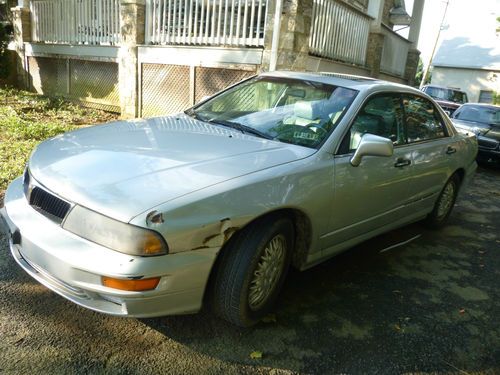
(432, 148)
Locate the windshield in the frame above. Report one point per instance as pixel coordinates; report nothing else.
(484, 115)
(447, 94)
(288, 110)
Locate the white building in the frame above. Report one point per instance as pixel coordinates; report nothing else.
(469, 56)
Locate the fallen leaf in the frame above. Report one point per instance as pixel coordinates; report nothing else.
(271, 318)
(481, 252)
(398, 328)
(396, 291)
(256, 355)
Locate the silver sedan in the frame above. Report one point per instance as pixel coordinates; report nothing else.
(153, 217)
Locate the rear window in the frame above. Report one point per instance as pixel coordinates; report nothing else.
(484, 115)
(450, 95)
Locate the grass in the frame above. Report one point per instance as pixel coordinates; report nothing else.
(26, 119)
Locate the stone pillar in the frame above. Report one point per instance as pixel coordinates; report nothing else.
(416, 21)
(21, 20)
(375, 38)
(413, 35)
(412, 66)
(132, 28)
(374, 53)
(295, 28)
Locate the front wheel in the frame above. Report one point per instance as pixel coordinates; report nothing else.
(444, 204)
(251, 271)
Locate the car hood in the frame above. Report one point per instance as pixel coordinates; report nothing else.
(125, 168)
(480, 128)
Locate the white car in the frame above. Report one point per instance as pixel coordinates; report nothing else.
(153, 217)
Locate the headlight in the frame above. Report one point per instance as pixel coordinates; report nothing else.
(122, 237)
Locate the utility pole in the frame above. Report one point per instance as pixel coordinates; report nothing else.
(426, 71)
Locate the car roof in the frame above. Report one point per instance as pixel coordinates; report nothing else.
(359, 83)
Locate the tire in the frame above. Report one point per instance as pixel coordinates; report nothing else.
(444, 204)
(245, 287)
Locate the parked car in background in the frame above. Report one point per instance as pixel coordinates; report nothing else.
(152, 217)
(484, 121)
(448, 98)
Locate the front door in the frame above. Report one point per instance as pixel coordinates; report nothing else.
(373, 194)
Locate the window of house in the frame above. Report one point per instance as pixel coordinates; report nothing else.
(486, 96)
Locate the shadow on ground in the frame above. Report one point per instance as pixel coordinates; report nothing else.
(431, 305)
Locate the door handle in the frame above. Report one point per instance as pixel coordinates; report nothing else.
(400, 162)
(451, 150)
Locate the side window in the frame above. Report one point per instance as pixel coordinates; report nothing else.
(423, 121)
(381, 115)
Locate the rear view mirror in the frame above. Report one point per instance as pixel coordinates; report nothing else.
(372, 145)
(296, 93)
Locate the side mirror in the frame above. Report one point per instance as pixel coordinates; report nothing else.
(372, 145)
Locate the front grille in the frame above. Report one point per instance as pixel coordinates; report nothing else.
(488, 143)
(49, 205)
(494, 133)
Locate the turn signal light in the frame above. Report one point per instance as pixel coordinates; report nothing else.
(131, 285)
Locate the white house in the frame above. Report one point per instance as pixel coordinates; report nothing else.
(469, 55)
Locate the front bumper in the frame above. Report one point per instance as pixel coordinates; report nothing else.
(488, 149)
(73, 267)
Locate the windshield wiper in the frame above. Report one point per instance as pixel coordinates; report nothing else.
(242, 128)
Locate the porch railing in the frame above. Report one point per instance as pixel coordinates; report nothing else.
(339, 32)
(394, 53)
(206, 22)
(76, 21)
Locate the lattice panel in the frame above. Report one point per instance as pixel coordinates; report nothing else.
(165, 89)
(95, 82)
(48, 76)
(208, 81)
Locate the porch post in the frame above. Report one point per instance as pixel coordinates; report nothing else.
(293, 44)
(132, 24)
(414, 53)
(21, 19)
(375, 38)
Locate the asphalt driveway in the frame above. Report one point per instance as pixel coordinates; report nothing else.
(431, 305)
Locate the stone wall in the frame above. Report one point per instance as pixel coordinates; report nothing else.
(374, 53)
(295, 27)
(388, 5)
(132, 23)
(21, 21)
(411, 66)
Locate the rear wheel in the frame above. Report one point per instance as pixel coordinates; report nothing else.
(251, 271)
(444, 204)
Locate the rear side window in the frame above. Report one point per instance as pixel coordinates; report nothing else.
(423, 121)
